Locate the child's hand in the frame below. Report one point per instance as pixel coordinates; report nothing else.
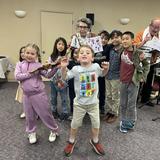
(64, 62)
(142, 56)
(35, 71)
(105, 65)
(47, 66)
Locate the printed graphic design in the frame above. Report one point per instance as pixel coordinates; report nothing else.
(87, 84)
(95, 43)
(58, 81)
(126, 59)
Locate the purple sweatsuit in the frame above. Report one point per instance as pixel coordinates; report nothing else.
(35, 99)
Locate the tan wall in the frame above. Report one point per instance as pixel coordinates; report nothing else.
(16, 32)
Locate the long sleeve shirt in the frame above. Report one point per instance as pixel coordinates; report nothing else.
(31, 82)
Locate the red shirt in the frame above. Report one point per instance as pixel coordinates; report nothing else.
(126, 67)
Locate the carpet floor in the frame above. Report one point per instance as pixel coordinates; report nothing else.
(143, 143)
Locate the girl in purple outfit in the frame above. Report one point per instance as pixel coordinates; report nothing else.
(35, 99)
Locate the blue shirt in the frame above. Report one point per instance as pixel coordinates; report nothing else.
(114, 65)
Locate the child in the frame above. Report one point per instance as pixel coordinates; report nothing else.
(72, 62)
(134, 68)
(99, 58)
(19, 93)
(86, 88)
(35, 99)
(56, 83)
(112, 77)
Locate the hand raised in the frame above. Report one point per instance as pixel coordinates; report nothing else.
(105, 65)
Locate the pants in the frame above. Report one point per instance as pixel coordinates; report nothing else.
(147, 87)
(112, 96)
(102, 90)
(80, 112)
(71, 93)
(64, 98)
(38, 104)
(128, 99)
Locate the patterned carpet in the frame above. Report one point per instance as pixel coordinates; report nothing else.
(141, 144)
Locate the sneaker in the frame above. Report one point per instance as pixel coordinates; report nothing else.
(22, 115)
(112, 119)
(122, 128)
(32, 138)
(97, 147)
(69, 148)
(129, 124)
(52, 137)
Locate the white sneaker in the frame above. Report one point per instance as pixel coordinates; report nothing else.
(52, 137)
(32, 138)
(22, 115)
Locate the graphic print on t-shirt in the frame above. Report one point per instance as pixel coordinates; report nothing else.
(126, 59)
(87, 84)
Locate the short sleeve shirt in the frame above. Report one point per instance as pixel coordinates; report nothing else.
(85, 83)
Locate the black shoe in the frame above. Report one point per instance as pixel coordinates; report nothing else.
(150, 104)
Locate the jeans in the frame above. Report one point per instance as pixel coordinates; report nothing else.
(128, 100)
(64, 98)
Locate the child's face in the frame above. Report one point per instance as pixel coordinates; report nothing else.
(116, 40)
(30, 54)
(75, 55)
(104, 40)
(85, 56)
(60, 46)
(127, 41)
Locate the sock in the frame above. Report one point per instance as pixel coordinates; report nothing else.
(95, 139)
(71, 139)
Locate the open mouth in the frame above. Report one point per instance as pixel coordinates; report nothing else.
(84, 58)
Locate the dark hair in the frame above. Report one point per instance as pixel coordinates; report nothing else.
(115, 33)
(20, 52)
(105, 33)
(131, 34)
(86, 21)
(55, 52)
(33, 45)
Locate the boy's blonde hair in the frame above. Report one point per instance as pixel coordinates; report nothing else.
(85, 46)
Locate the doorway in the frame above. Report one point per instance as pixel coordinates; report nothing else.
(54, 25)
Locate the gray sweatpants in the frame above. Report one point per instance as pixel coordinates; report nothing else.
(128, 100)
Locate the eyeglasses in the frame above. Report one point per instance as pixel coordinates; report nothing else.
(84, 27)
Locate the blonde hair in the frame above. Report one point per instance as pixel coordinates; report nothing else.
(85, 46)
(33, 45)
